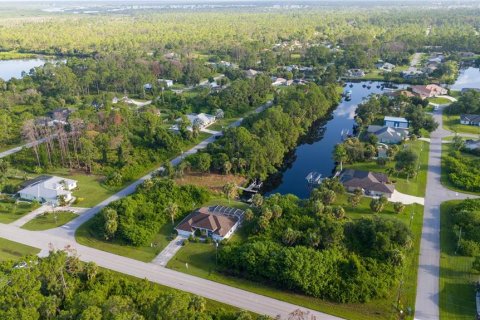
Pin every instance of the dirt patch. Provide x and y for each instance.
(211, 181)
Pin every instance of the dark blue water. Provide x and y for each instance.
(14, 68)
(316, 155)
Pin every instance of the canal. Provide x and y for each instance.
(314, 153)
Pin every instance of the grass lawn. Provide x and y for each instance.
(212, 181)
(87, 237)
(452, 123)
(201, 260)
(444, 175)
(47, 220)
(10, 212)
(415, 186)
(440, 100)
(10, 250)
(457, 289)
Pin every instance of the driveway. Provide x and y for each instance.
(406, 198)
(170, 250)
(45, 208)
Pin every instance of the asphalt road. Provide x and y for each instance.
(427, 299)
(19, 148)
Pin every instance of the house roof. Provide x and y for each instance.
(470, 118)
(48, 187)
(395, 119)
(217, 219)
(389, 132)
(366, 180)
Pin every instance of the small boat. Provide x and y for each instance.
(364, 85)
(369, 87)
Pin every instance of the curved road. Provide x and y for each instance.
(427, 299)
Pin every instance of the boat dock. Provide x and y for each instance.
(253, 187)
(314, 178)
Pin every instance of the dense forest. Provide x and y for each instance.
(62, 287)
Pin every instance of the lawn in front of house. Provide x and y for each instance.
(457, 281)
(199, 259)
(9, 212)
(439, 100)
(10, 250)
(49, 220)
(414, 186)
(452, 123)
(222, 124)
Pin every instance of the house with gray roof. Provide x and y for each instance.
(389, 135)
(470, 119)
(371, 183)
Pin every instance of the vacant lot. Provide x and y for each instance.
(457, 289)
(452, 123)
(10, 212)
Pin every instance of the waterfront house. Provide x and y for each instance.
(202, 120)
(216, 222)
(389, 135)
(395, 122)
(371, 183)
(429, 91)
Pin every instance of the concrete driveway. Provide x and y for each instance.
(406, 198)
(170, 250)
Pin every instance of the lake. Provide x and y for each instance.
(468, 78)
(14, 68)
(314, 153)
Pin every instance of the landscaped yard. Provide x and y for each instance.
(457, 289)
(201, 261)
(10, 250)
(414, 186)
(452, 123)
(49, 220)
(10, 212)
(221, 124)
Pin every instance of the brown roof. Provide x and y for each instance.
(366, 180)
(205, 218)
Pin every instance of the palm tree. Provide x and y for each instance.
(172, 210)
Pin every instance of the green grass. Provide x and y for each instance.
(414, 186)
(12, 55)
(47, 220)
(87, 237)
(9, 212)
(10, 250)
(457, 289)
(446, 147)
(221, 124)
(452, 123)
(439, 100)
(201, 261)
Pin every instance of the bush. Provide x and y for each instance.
(469, 248)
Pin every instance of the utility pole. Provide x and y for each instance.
(459, 239)
(411, 216)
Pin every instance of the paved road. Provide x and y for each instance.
(427, 300)
(19, 148)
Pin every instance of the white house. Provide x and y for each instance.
(202, 120)
(167, 82)
(217, 222)
(48, 189)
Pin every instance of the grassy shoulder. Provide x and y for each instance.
(457, 289)
(414, 186)
(49, 220)
(199, 259)
(9, 212)
(10, 250)
(446, 147)
(452, 123)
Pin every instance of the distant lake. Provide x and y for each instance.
(468, 78)
(14, 68)
(314, 152)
